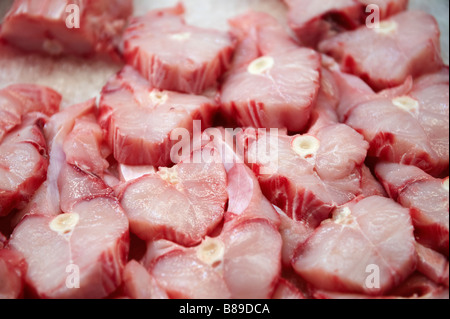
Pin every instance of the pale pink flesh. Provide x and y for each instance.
(414, 49)
(63, 122)
(98, 245)
(422, 140)
(12, 272)
(129, 173)
(246, 200)
(353, 91)
(259, 34)
(23, 164)
(298, 282)
(21, 137)
(387, 7)
(175, 56)
(285, 290)
(294, 233)
(46, 200)
(308, 189)
(341, 151)
(283, 96)
(370, 186)
(429, 203)
(407, 144)
(325, 111)
(76, 186)
(282, 187)
(249, 268)
(420, 287)
(252, 261)
(19, 100)
(158, 248)
(139, 284)
(425, 196)
(433, 265)
(378, 232)
(432, 92)
(228, 143)
(84, 146)
(415, 287)
(396, 177)
(80, 175)
(127, 103)
(184, 211)
(182, 274)
(43, 28)
(313, 21)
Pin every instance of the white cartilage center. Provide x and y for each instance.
(64, 223)
(170, 175)
(343, 216)
(181, 36)
(306, 146)
(261, 65)
(52, 46)
(407, 104)
(387, 27)
(445, 184)
(211, 252)
(158, 97)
